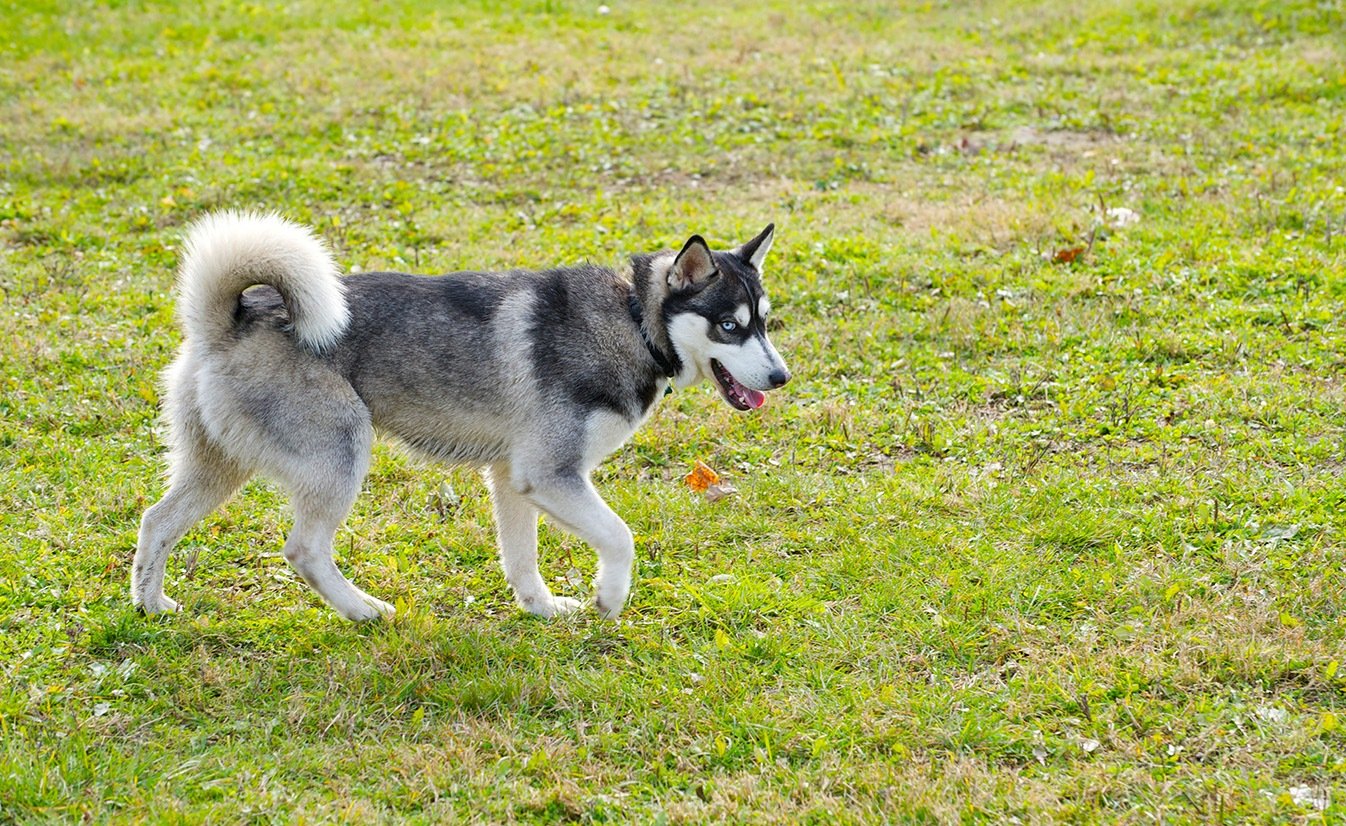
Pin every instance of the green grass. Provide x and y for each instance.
(1023, 539)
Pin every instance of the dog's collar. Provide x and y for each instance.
(667, 367)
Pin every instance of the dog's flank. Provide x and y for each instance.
(288, 370)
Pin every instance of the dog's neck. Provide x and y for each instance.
(666, 366)
(649, 287)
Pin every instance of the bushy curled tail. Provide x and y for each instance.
(227, 252)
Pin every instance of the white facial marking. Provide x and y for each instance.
(690, 334)
(763, 307)
(750, 362)
(769, 354)
(743, 314)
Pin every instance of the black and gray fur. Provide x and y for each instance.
(287, 370)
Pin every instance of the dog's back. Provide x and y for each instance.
(459, 366)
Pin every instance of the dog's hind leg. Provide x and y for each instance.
(197, 489)
(516, 526)
(322, 490)
(308, 549)
(571, 500)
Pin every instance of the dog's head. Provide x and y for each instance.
(715, 313)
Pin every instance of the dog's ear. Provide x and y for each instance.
(755, 250)
(694, 267)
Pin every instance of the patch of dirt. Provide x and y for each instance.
(996, 220)
(1064, 139)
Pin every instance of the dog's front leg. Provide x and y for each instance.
(516, 526)
(571, 500)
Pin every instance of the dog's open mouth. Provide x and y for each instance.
(742, 398)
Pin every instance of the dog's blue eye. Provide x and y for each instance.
(729, 326)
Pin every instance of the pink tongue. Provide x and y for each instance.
(754, 398)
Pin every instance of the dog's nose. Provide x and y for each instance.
(778, 377)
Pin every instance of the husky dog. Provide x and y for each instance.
(287, 370)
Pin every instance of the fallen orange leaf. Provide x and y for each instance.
(1066, 256)
(701, 477)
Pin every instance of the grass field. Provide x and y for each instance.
(1047, 527)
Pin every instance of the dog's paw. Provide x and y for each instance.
(368, 609)
(607, 611)
(158, 605)
(610, 597)
(551, 606)
(565, 605)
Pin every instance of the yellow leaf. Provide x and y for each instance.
(1328, 721)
